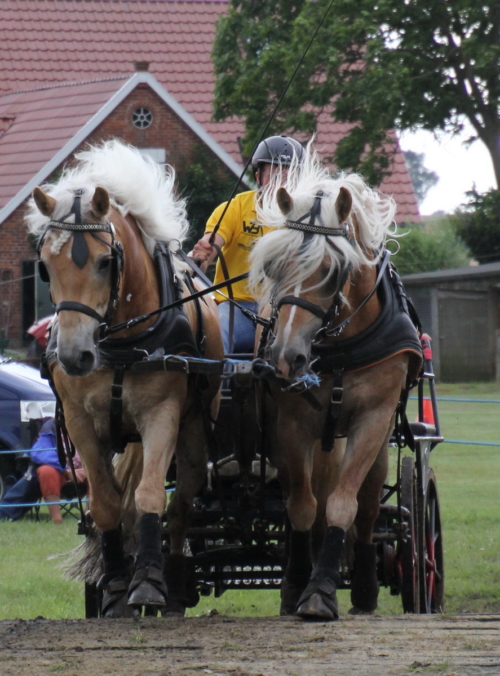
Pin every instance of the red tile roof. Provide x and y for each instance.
(49, 41)
(45, 120)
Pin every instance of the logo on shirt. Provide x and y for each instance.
(254, 229)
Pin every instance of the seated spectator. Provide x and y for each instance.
(46, 477)
(51, 476)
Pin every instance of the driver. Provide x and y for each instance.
(237, 234)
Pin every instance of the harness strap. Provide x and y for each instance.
(74, 306)
(65, 447)
(305, 304)
(333, 412)
(337, 330)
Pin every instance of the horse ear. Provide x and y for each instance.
(285, 201)
(45, 203)
(343, 204)
(100, 202)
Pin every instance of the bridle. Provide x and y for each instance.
(80, 254)
(309, 228)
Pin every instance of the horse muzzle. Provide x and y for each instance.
(76, 350)
(290, 362)
(77, 362)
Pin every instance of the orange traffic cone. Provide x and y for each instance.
(428, 412)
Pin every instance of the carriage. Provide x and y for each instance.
(319, 404)
(238, 536)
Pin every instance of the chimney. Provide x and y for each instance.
(141, 65)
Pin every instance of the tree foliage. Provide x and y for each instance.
(477, 223)
(428, 247)
(204, 185)
(390, 64)
(422, 179)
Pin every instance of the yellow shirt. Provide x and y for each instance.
(240, 232)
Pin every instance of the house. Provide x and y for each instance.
(77, 71)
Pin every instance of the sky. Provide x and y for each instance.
(459, 167)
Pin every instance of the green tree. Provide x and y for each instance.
(384, 65)
(430, 246)
(422, 179)
(477, 223)
(204, 185)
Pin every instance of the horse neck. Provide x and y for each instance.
(359, 285)
(139, 291)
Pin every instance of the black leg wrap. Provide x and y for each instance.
(149, 550)
(113, 556)
(299, 565)
(364, 582)
(298, 570)
(319, 600)
(115, 578)
(181, 585)
(148, 585)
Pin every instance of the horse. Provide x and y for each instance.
(339, 325)
(105, 235)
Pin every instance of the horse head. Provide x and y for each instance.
(328, 232)
(301, 314)
(81, 259)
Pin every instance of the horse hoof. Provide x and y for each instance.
(290, 595)
(120, 609)
(146, 594)
(114, 598)
(319, 601)
(173, 609)
(148, 588)
(360, 611)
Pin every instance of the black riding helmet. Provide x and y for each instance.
(276, 150)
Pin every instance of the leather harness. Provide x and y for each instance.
(395, 329)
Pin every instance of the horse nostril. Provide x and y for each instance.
(86, 360)
(300, 362)
(297, 361)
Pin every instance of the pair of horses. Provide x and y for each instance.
(99, 229)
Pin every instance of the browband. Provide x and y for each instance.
(344, 230)
(97, 227)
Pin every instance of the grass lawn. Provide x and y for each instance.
(468, 479)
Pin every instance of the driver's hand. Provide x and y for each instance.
(202, 250)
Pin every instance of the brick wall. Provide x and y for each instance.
(166, 131)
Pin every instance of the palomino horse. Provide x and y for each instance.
(104, 231)
(337, 310)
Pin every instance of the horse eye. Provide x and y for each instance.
(104, 264)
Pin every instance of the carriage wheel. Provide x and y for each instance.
(408, 550)
(431, 560)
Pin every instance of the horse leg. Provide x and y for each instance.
(319, 599)
(364, 580)
(191, 472)
(159, 428)
(105, 508)
(294, 462)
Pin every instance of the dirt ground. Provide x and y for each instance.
(233, 646)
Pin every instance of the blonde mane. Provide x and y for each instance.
(279, 262)
(137, 185)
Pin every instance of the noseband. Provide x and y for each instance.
(309, 229)
(80, 255)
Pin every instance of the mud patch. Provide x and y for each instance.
(230, 646)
